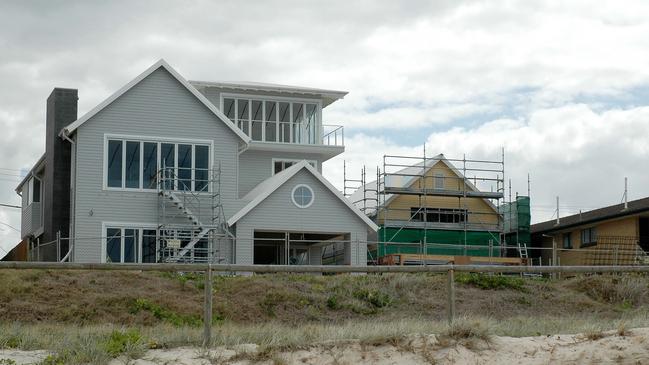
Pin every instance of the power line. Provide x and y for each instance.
(10, 206)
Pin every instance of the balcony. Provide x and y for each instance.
(333, 135)
(328, 141)
(31, 221)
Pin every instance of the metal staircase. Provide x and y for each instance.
(192, 227)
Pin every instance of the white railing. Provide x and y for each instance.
(333, 135)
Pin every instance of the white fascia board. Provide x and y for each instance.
(161, 63)
(280, 179)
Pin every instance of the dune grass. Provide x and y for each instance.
(97, 344)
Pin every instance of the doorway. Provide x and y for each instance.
(291, 248)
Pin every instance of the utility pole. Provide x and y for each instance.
(558, 218)
(626, 192)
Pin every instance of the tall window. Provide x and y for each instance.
(439, 180)
(115, 158)
(567, 241)
(135, 165)
(128, 244)
(274, 121)
(34, 189)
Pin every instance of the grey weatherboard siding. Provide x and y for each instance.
(257, 166)
(158, 106)
(277, 212)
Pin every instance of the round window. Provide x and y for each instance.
(302, 196)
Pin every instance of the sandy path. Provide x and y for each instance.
(632, 348)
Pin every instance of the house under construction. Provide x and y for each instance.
(438, 210)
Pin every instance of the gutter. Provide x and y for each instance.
(593, 220)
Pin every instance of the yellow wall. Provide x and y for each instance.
(622, 227)
(399, 207)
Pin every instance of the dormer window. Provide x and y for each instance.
(274, 119)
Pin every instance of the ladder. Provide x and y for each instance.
(522, 250)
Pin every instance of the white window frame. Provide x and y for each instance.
(293, 196)
(277, 100)
(313, 163)
(139, 227)
(159, 140)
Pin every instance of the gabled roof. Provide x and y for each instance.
(592, 216)
(161, 63)
(268, 186)
(37, 167)
(401, 179)
(328, 96)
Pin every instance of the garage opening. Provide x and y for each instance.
(300, 248)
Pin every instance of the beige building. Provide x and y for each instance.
(613, 235)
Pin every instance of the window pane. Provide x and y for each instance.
(298, 119)
(115, 164)
(113, 245)
(35, 191)
(284, 122)
(130, 245)
(256, 120)
(132, 164)
(278, 166)
(148, 245)
(184, 167)
(167, 159)
(228, 108)
(271, 119)
(150, 165)
(243, 115)
(311, 122)
(202, 165)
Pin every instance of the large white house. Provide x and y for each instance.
(170, 170)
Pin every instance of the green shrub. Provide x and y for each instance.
(491, 282)
(332, 302)
(165, 314)
(120, 342)
(374, 297)
(7, 362)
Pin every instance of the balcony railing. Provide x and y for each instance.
(333, 135)
(286, 132)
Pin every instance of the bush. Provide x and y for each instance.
(120, 342)
(491, 282)
(332, 302)
(374, 297)
(165, 314)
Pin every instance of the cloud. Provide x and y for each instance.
(467, 75)
(571, 151)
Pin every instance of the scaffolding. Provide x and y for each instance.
(427, 217)
(192, 224)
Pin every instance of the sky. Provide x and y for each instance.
(562, 86)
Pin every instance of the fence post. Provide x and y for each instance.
(207, 313)
(58, 246)
(554, 256)
(451, 295)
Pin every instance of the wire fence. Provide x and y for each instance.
(209, 269)
(606, 251)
